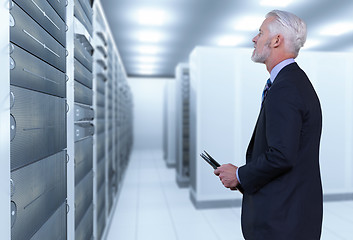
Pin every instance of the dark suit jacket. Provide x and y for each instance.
(281, 179)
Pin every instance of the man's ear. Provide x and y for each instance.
(277, 41)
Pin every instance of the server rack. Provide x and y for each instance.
(109, 74)
(182, 124)
(100, 78)
(56, 102)
(83, 116)
(38, 120)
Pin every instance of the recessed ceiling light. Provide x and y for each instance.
(149, 36)
(249, 23)
(146, 59)
(151, 17)
(146, 66)
(337, 29)
(146, 69)
(148, 49)
(230, 41)
(276, 3)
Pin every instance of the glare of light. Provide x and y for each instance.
(248, 23)
(147, 69)
(310, 43)
(230, 41)
(276, 3)
(149, 36)
(151, 17)
(148, 49)
(337, 29)
(145, 59)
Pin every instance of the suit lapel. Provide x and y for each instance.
(251, 143)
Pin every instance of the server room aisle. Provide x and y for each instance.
(151, 206)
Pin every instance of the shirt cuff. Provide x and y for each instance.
(238, 176)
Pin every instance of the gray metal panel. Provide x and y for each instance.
(39, 189)
(100, 173)
(84, 230)
(83, 130)
(30, 72)
(82, 74)
(82, 94)
(60, 7)
(87, 8)
(111, 182)
(40, 126)
(100, 200)
(102, 50)
(100, 73)
(100, 145)
(100, 85)
(82, 55)
(110, 142)
(100, 125)
(83, 158)
(83, 197)
(26, 33)
(46, 16)
(100, 113)
(100, 99)
(80, 14)
(83, 113)
(101, 223)
(55, 227)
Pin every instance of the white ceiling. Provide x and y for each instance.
(152, 47)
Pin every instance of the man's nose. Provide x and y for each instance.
(254, 40)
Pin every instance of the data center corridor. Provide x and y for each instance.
(152, 206)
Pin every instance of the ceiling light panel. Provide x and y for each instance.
(276, 3)
(150, 36)
(154, 17)
(337, 29)
(144, 59)
(149, 50)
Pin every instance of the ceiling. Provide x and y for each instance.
(153, 36)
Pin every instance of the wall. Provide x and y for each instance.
(148, 95)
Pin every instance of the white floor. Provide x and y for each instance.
(152, 207)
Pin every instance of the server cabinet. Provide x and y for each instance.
(182, 124)
(64, 138)
(83, 116)
(37, 121)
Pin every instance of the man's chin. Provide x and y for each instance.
(256, 58)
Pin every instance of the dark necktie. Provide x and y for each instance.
(267, 87)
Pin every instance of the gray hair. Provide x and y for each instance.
(291, 27)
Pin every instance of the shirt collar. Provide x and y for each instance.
(279, 67)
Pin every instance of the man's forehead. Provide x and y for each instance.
(265, 23)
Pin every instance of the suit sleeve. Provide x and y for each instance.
(283, 123)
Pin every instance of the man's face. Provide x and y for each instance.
(262, 43)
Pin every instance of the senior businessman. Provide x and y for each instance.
(281, 183)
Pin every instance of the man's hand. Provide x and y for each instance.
(227, 174)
